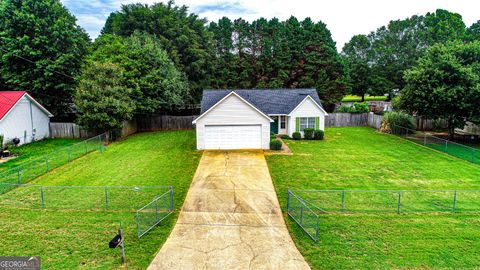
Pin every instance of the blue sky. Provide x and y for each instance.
(344, 18)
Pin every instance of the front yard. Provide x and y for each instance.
(361, 158)
(68, 238)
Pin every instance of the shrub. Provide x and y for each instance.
(296, 135)
(308, 134)
(357, 107)
(318, 134)
(285, 137)
(275, 145)
(393, 121)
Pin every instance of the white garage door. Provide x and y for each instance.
(233, 137)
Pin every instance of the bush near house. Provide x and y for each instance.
(275, 145)
(308, 134)
(297, 135)
(318, 134)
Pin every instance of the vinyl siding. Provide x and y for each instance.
(233, 111)
(19, 120)
(306, 109)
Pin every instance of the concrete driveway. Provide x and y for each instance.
(231, 219)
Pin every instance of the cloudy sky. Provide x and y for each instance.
(344, 18)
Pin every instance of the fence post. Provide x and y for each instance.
(454, 201)
(100, 144)
(18, 176)
(156, 210)
(138, 226)
(446, 146)
(85, 143)
(301, 213)
(106, 198)
(343, 200)
(43, 198)
(473, 155)
(46, 163)
(424, 139)
(398, 206)
(288, 201)
(171, 198)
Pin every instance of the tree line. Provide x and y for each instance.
(158, 57)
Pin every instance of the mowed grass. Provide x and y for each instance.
(361, 158)
(70, 236)
(28, 152)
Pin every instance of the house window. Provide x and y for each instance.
(307, 122)
(282, 122)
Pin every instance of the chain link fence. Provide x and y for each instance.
(37, 167)
(452, 148)
(305, 206)
(302, 214)
(154, 212)
(79, 198)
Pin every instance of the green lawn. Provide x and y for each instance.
(353, 98)
(35, 150)
(361, 158)
(73, 231)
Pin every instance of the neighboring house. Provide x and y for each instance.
(21, 116)
(244, 119)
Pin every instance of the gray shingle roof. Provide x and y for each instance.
(269, 101)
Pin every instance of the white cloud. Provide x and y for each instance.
(344, 18)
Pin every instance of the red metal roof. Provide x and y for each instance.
(8, 99)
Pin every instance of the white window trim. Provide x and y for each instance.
(308, 123)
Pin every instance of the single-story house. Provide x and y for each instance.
(244, 119)
(22, 117)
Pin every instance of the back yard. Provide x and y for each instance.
(361, 158)
(67, 236)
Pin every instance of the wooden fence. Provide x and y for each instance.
(69, 130)
(72, 130)
(346, 119)
(164, 122)
(374, 121)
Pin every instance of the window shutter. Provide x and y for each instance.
(317, 122)
(297, 124)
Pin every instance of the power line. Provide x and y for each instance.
(33, 62)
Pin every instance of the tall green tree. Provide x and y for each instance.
(396, 47)
(44, 32)
(102, 99)
(183, 35)
(156, 83)
(445, 84)
(473, 32)
(274, 54)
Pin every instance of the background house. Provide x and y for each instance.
(21, 116)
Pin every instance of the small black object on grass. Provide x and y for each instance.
(117, 241)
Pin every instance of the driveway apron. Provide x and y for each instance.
(231, 219)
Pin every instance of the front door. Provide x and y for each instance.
(274, 125)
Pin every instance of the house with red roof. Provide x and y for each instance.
(22, 117)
